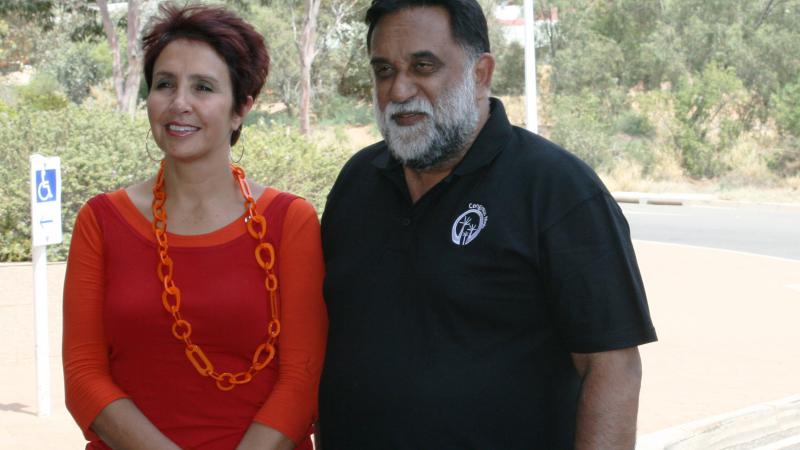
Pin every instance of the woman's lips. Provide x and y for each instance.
(180, 130)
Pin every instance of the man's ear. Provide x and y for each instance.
(484, 69)
(238, 117)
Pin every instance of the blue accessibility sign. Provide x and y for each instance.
(46, 186)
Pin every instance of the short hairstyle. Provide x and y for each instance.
(235, 41)
(467, 21)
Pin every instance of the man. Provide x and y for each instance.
(481, 284)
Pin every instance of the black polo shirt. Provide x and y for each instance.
(452, 320)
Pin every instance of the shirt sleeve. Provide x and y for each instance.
(87, 380)
(292, 405)
(593, 280)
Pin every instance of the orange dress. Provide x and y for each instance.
(117, 335)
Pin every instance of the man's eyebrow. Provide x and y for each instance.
(426, 54)
(422, 54)
(378, 60)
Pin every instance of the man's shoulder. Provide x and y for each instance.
(357, 169)
(366, 156)
(541, 159)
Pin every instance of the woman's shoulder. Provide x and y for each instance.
(140, 194)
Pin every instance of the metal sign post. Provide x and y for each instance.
(45, 179)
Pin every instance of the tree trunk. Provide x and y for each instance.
(126, 86)
(133, 75)
(307, 51)
(111, 35)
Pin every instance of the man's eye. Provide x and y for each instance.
(425, 66)
(383, 71)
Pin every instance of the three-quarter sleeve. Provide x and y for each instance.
(292, 405)
(87, 380)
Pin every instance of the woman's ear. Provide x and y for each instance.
(238, 117)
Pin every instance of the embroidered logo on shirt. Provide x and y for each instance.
(469, 224)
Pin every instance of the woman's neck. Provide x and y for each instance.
(199, 182)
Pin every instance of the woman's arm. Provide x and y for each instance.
(260, 437)
(291, 407)
(122, 426)
(98, 405)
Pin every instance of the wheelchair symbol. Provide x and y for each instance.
(45, 185)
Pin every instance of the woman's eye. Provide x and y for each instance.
(204, 88)
(161, 84)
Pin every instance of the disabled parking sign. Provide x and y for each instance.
(45, 179)
(46, 185)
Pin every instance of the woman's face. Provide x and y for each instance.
(190, 105)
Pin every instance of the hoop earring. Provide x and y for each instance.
(240, 141)
(147, 147)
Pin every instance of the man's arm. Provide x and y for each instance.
(609, 399)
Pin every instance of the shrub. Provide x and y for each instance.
(43, 93)
(635, 124)
(339, 110)
(787, 111)
(80, 66)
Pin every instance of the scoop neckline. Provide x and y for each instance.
(143, 226)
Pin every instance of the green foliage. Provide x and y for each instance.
(509, 73)
(103, 150)
(635, 124)
(340, 110)
(43, 93)
(581, 126)
(705, 107)
(595, 64)
(33, 31)
(286, 160)
(787, 109)
(79, 66)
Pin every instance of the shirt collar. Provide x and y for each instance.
(490, 142)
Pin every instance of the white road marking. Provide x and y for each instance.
(639, 213)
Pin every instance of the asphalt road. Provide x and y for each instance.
(764, 230)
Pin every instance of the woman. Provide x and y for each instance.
(210, 334)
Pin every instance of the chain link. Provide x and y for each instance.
(171, 294)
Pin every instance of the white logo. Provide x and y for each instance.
(469, 224)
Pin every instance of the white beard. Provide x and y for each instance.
(441, 135)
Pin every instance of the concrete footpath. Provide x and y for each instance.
(727, 324)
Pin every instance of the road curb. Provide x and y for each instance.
(665, 198)
(680, 199)
(766, 426)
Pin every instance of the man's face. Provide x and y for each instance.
(424, 94)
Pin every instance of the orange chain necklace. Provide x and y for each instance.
(171, 295)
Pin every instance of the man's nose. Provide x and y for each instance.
(403, 88)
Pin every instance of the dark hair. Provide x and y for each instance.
(467, 21)
(236, 41)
